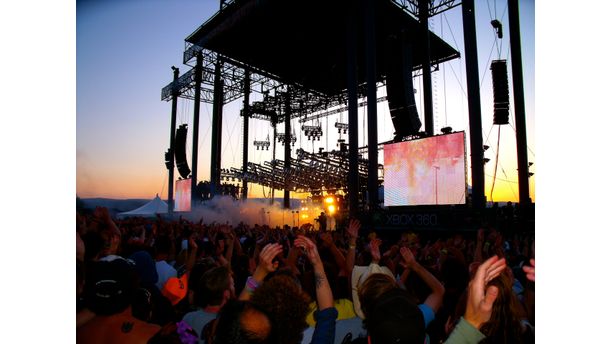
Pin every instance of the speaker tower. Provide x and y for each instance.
(400, 91)
(179, 151)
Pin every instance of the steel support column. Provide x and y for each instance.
(273, 122)
(519, 103)
(426, 63)
(351, 74)
(473, 90)
(196, 125)
(245, 134)
(370, 54)
(286, 203)
(175, 94)
(217, 121)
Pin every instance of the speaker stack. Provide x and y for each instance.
(400, 91)
(179, 151)
(501, 101)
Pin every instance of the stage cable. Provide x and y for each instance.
(444, 77)
(496, 162)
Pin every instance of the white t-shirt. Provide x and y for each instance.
(164, 272)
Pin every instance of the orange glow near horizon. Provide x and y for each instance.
(146, 187)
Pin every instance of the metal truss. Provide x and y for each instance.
(341, 109)
(310, 172)
(232, 73)
(435, 6)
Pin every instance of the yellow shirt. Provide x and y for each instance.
(343, 306)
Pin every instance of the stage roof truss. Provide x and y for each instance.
(306, 173)
(435, 6)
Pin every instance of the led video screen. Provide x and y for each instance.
(182, 195)
(428, 171)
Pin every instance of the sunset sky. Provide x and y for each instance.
(102, 73)
(124, 53)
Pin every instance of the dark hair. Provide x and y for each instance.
(94, 245)
(505, 325)
(287, 305)
(110, 286)
(371, 289)
(241, 322)
(212, 286)
(198, 271)
(395, 318)
(162, 244)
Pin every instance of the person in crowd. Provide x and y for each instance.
(479, 306)
(506, 324)
(375, 307)
(165, 270)
(109, 289)
(155, 308)
(214, 289)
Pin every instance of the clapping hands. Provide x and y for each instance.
(480, 296)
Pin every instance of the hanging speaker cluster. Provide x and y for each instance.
(179, 151)
(501, 102)
(169, 159)
(400, 91)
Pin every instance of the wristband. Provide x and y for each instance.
(251, 283)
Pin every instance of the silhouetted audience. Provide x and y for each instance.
(160, 281)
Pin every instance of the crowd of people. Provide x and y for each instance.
(175, 281)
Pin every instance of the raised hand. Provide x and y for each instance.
(309, 248)
(409, 259)
(375, 249)
(325, 299)
(192, 243)
(353, 228)
(266, 258)
(480, 297)
(530, 270)
(327, 239)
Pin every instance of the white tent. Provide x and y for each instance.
(155, 206)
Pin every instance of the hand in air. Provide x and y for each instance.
(309, 248)
(353, 228)
(480, 297)
(266, 257)
(409, 259)
(530, 270)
